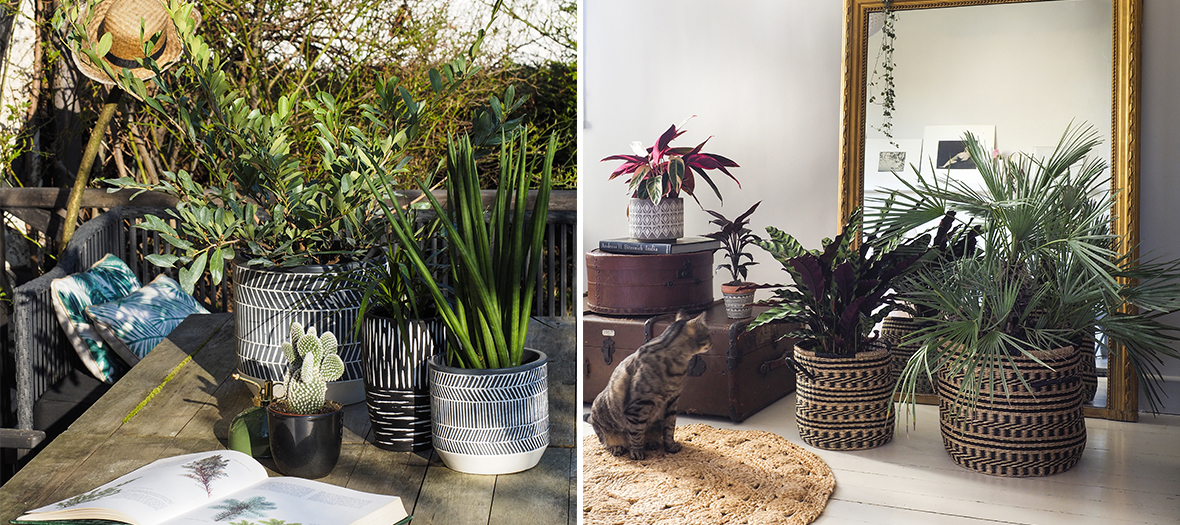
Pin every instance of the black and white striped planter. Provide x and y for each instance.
(397, 388)
(266, 301)
(490, 421)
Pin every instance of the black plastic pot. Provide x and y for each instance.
(307, 446)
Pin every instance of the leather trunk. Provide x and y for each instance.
(649, 284)
(743, 372)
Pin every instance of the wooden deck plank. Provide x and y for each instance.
(450, 497)
(193, 387)
(539, 495)
(398, 473)
(108, 412)
(31, 488)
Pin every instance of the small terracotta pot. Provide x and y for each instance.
(739, 302)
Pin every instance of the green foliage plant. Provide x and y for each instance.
(311, 362)
(735, 236)
(494, 260)
(840, 292)
(1047, 271)
(264, 204)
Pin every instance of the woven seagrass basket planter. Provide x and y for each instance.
(1087, 368)
(894, 330)
(843, 403)
(1036, 431)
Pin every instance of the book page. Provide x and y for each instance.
(160, 490)
(289, 501)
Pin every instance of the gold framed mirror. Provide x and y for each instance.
(1125, 25)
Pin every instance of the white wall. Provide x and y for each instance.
(763, 76)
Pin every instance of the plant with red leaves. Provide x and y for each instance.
(662, 171)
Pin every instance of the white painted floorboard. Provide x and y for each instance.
(1129, 473)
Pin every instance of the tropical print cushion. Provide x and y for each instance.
(135, 324)
(108, 280)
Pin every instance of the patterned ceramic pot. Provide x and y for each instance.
(739, 303)
(490, 421)
(397, 388)
(1018, 432)
(844, 403)
(649, 222)
(266, 301)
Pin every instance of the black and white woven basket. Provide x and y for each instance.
(894, 331)
(1022, 432)
(843, 403)
(490, 421)
(397, 388)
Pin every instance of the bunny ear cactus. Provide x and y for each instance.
(312, 362)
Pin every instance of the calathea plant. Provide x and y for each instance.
(662, 171)
(841, 292)
(311, 362)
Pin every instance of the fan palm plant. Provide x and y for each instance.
(1048, 273)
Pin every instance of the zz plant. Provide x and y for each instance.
(311, 362)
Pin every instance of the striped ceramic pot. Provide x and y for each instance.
(397, 388)
(1018, 432)
(844, 403)
(267, 300)
(490, 421)
(650, 222)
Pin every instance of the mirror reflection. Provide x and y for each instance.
(1014, 75)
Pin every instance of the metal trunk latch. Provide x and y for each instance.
(608, 350)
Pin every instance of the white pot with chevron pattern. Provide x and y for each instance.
(651, 222)
(490, 421)
(267, 300)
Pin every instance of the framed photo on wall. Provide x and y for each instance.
(945, 151)
(883, 159)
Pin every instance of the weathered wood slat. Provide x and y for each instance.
(449, 497)
(537, 495)
(17, 438)
(397, 473)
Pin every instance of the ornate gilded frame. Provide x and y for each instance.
(1123, 389)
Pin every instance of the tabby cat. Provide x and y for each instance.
(637, 409)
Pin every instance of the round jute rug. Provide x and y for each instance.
(721, 476)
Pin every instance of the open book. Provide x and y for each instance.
(219, 487)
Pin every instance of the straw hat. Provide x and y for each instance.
(122, 19)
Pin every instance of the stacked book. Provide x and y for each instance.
(633, 246)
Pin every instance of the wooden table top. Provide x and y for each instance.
(192, 413)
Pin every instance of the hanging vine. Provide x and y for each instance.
(881, 86)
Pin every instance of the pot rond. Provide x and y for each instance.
(490, 421)
(267, 300)
(397, 388)
(650, 222)
(306, 446)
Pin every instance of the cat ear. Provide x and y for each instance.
(700, 319)
(681, 315)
